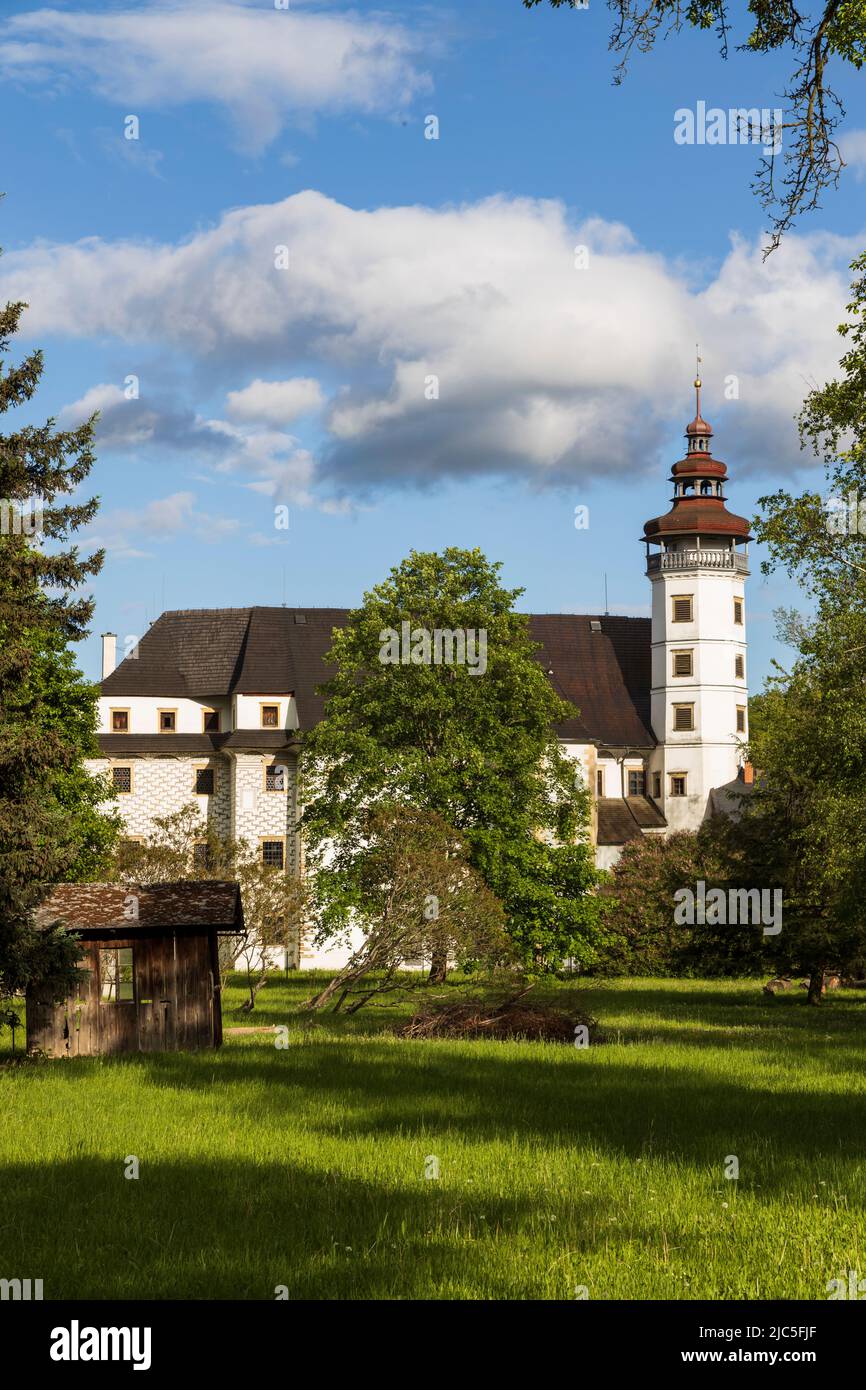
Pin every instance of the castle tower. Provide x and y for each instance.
(699, 692)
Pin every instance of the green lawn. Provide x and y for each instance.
(558, 1167)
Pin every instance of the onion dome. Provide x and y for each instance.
(698, 505)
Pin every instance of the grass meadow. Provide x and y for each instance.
(559, 1167)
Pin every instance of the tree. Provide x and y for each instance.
(184, 846)
(50, 825)
(409, 886)
(473, 741)
(835, 34)
(648, 935)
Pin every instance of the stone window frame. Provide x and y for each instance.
(166, 709)
(739, 610)
(270, 840)
(121, 763)
(269, 763)
(739, 666)
(206, 710)
(678, 777)
(680, 598)
(599, 782)
(269, 704)
(741, 719)
(682, 651)
(203, 767)
(119, 709)
(687, 705)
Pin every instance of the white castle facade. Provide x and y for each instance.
(212, 705)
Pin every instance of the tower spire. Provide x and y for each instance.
(698, 380)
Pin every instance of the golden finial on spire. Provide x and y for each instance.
(698, 376)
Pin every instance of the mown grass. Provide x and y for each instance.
(558, 1167)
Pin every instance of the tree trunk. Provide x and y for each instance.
(816, 987)
(438, 966)
(254, 986)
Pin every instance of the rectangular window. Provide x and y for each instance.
(276, 778)
(167, 721)
(684, 718)
(741, 719)
(682, 608)
(204, 781)
(201, 855)
(121, 778)
(637, 783)
(273, 852)
(270, 716)
(738, 611)
(120, 721)
(210, 721)
(740, 667)
(116, 983)
(599, 782)
(683, 664)
(678, 784)
(657, 785)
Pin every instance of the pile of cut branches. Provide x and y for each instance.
(509, 1018)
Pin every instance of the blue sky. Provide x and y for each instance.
(409, 258)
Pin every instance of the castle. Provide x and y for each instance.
(213, 704)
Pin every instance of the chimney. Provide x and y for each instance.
(109, 653)
(748, 773)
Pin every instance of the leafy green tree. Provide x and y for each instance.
(477, 747)
(413, 893)
(50, 825)
(834, 35)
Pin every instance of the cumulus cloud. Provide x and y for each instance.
(852, 144)
(496, 337)
(260, 64)
(275, 402)
(123, 530)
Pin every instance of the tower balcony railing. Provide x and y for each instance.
(698, 559)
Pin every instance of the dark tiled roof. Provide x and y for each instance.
(606, 674)
(204, 745)
(89, 906)
(206, 653)
(620, 821)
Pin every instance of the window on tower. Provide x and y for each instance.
(738, 611)
(741, 719)
(740, 667)
(678, 783)
(682, 608)
(684, 718)
(683, 663)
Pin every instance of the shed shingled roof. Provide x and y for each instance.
(207, 653)
(90, 906)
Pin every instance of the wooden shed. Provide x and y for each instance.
(152, 963)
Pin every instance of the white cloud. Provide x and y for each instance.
(162, 519)
(275, 402)
(542, 369)
(261, 64)
(852, 145)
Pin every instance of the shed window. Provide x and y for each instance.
(121, 778)
(116, 982)
(273, 853)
